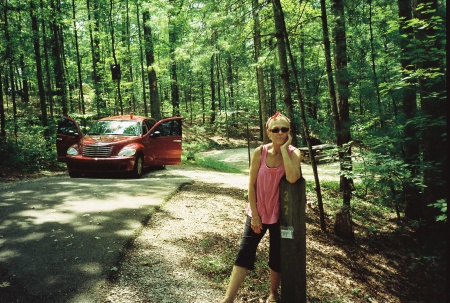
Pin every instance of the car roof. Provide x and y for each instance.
(126, 117)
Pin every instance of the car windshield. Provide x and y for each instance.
(116, 127)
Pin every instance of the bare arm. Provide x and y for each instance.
(291, 162)
(254, 168)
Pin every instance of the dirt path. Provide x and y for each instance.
(159, 267)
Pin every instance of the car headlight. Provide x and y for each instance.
(71, 151)
(127, 152)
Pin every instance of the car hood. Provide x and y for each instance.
(104, 139)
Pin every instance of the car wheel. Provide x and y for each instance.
(138, 167)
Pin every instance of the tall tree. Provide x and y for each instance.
(212, 86)
(409, 109)
(116, 66)
(81, 105)
(155, 108)
(259, 69)
(433, 103)
(173, 30)
(57, 55)
(280, 31)
(39, 73)
(141, 56)
(343, 94)
(94, 33)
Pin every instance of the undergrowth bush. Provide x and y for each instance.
(25, 148)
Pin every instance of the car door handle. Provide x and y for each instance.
(177, 141)
(58, 139)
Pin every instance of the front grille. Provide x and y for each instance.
(100, 151)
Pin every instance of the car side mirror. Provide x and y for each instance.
(155, 134)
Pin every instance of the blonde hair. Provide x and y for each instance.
(277, 116)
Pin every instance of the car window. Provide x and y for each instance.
(144, 128)
(67, 127)
(170, 128)
(150, 123)
(116, 127)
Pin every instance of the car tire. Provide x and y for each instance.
(138, 167)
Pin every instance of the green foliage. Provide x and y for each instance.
(28, 150)
(442, 206)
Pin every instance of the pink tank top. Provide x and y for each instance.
(267, 189)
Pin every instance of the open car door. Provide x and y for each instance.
(68, 134)
(166, 141)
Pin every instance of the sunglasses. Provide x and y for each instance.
(276, 130)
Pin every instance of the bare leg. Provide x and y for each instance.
(237, 277)
(275, 279)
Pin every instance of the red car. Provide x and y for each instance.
(119, 144)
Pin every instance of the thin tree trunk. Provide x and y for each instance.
(411, 151)
(95, 52)
(113, 47)
(155, 105)
(48, 83)
(433, 102)
(374, 69)
(284, 69)
(39, 75)
(141, 54)
(175, 93)
(305, 127)
(202, 92)
(259, 71)
(10, 65)
(81, 107)
(128, 62)
(60, 78)
(342, 81)
(213, 90)
(2, 111)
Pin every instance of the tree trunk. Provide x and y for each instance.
(175, 93)
(113, 48)
(39, 75)
(433, 102)
(343, 226)
(374, 69)
(95, 52)
(329, 71)
(284, 69)
(259, 71)
(411, 150)
(81, 107)
(213, 90)
(2, 112)
(60, 79)
(155, 105)
(48, 83)
(141, 54)
(343, 93)
(305, 124)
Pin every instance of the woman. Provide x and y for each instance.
(269, 164)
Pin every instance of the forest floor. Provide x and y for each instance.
(185, 252)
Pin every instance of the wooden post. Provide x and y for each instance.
(293, 241)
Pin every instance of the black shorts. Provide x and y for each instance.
(249, 244)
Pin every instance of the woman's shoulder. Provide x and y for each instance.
(258, 150)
